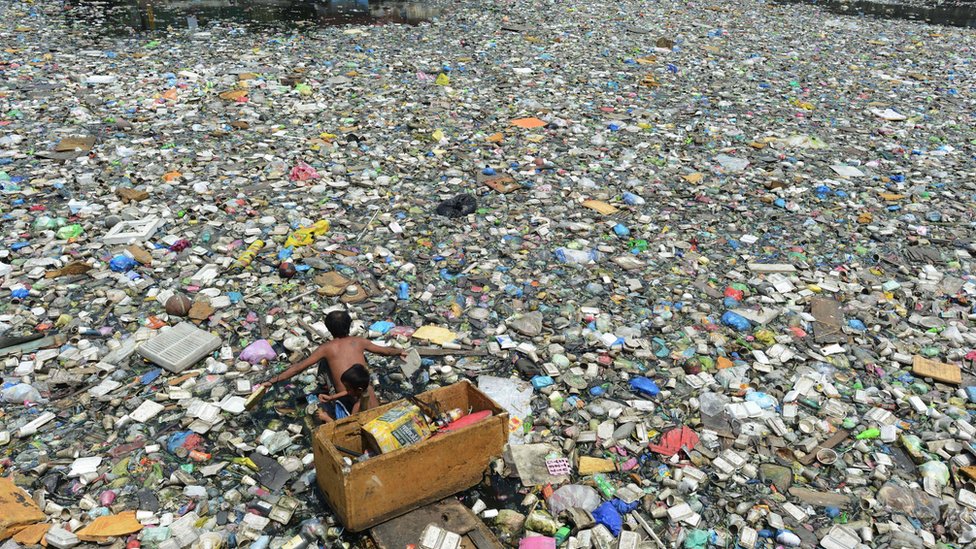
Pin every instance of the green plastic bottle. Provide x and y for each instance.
(562, 535)
(868, 434)
(604, 485)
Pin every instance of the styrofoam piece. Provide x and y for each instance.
(85, 465)
(146, 411)
(179, 347)
(127, 232)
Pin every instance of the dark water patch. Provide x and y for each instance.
(956, 14)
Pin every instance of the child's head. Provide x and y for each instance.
(338, 323)
(356, 379)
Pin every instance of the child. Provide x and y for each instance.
(350, 401)
(340, 354)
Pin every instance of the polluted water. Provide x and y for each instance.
(710, 259)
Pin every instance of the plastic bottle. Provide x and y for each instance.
(604, 485)
(576, 257)
(632, 199)
(314, 529)
(261, 543)
(248, 256)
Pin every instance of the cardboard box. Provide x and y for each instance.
(389, 485)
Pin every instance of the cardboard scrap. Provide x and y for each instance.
(434, 334)
(110, 526)
(17, 509)
(233, 95)
(33, 534)
(939, 371)
(600, 206)
(75, 144)
(332, 283)
(693, 178)
(530, 464)
(201, 310)
(131, 195)
(73, 268)
(502, 183)
(591, 466)
(531, 122)
(139, 254)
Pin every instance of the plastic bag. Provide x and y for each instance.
(458, 206)
(644, 386)
(21, 393)
(736, 321)
(122, 263)
(573, 495)
(622, 507)
(608, 516)
(258, 351)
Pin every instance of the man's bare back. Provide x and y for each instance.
(342, 353)
(345, 352)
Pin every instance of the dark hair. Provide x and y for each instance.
(338, 323)
(356, 377)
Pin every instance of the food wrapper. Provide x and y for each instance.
(401, 426)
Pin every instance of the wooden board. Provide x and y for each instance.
(829, 324)
(939, 371)
(448, 514)
(838, 437)
(389, 485)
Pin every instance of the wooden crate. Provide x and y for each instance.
(389, 485)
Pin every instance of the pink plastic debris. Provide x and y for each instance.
(303, 172)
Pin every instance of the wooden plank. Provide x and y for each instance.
(829, 324)
(448, 514)
(838, 437)
(939, 371)
(437, 351)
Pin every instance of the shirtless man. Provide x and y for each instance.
(342, 353)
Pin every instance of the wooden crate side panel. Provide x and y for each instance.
(328, 474)
(388, 486)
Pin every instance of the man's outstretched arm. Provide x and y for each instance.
(296, 368)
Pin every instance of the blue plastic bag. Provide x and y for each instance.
(644, 386)
(608, 516)
(736, 321)
(122, 263)
(624, 508)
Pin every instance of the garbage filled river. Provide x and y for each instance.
(710, 261)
